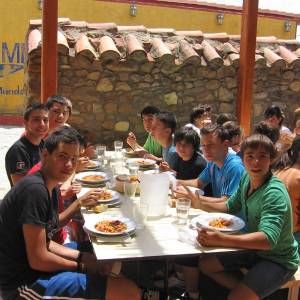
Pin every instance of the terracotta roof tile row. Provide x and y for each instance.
(111, 43)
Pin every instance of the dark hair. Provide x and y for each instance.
(233, 128)
(296, 116)
(189, 135)
(60, 100)
(256, 141)
(290, 157)
(32, 107)
(168, 119)
(150, 110)
(274, 110)
(220, 131)
(198, 111)
(63, 134)
(273, 133)
(225, 117)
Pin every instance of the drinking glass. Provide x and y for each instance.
(101, 149)
(118, 148)
(140, 212)
(130, 188)
(182, 210)
(133, 168)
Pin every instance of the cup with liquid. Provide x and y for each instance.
(182, 210)
(118, 145)
(101, 149)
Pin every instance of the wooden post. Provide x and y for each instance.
(49, 50)
(247, 63)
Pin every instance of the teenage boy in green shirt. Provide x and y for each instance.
(151, 145)
(273, 257)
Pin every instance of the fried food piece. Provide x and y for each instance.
(220, 223)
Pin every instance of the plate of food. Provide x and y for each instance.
(218, 221)
(92, 165)
(91, 177)
(130, 153)
(141, 162)
(110, 225)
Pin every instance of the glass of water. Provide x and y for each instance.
(182, 210)
(101, 149)
(118, 148)
(133, 168)
(140, 213)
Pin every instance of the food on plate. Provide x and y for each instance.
(143, 162)
(220, 223)
(99, 208)
(92, 178)
(91, 165)
(133, 178)
(111, 226)
(105, 195)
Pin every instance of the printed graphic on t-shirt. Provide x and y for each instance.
(20, 165)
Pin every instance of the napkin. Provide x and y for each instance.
(188, 236)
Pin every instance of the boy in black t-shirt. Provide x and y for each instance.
(26, 152)
(32, 266)
(188, 163)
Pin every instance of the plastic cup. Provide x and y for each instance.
(182, 210)
(140, 213)
(133, 169)
(130, 188)
(101, 149)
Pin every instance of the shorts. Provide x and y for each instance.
(263, 276)
(65, 284)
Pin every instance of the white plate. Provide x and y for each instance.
(205, 218)
(79, 176)
(95, 166)
(115, 196)
(90, 225)
(142, 162)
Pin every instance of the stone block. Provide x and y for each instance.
(125, 108)
(226, 108)
(104, 85)
(124, 76)
(213, 84)
(97, 108)
(288, 75)
(93, 76)
(110, 108)
(122, 126)
(81, 73)
(231, 82)
(122, 86)
(136, 78)
(147, 67)
(295, 86)
(224, 95)
(171, 98)
(108, 124)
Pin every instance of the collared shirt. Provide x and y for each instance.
(224, 180)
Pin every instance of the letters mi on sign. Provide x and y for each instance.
(12, 59)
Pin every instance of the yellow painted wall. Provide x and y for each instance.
(16, 15)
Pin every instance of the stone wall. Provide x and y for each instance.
(107, 99)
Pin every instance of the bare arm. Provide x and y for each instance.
(204, 199)
(89, 198)
(255, 240)
(57, 257)
(39, 257)
(191, 182)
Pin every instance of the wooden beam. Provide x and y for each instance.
(49, 50)
(247, 63)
